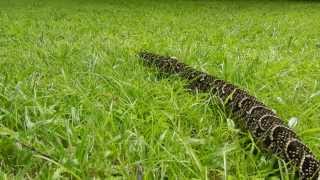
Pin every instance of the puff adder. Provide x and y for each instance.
(264, 125)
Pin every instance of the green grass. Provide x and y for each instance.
(72, 88)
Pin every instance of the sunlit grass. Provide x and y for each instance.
(76, 102)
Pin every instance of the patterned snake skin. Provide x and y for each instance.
(265, 126)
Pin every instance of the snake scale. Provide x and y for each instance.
(265, 126)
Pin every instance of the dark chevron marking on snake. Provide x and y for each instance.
(266, 127)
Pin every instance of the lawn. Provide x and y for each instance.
(76, 102)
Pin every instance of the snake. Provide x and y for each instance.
(266, 127)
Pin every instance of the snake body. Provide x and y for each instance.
(265, 126)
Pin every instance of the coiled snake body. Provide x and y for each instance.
(264, 125)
